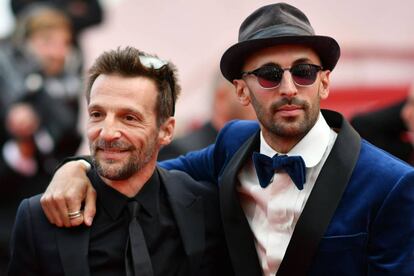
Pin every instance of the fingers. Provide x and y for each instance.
(57, 205)
(76, 217)
(51, 203)
(65, 194)
(72, 204)
(48, 209)
(90, 206)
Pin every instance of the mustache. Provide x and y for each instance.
(289, 101)
(112, 145)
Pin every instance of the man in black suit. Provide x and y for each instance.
(131, 97)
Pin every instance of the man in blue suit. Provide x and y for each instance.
(300, 192)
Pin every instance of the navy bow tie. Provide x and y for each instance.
(266, 166)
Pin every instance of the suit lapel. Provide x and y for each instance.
(188, 212)
(73, 246)
(240, 239)
(324, 198)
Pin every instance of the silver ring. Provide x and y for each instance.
(76, 214)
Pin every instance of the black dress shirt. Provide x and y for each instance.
(109, 231)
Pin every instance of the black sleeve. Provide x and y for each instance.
(22, 255)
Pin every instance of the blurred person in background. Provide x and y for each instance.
(82, 13)
(225, 107)
(39, 91)
(389, 128)
(407, 114)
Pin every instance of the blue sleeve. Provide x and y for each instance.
(392, 237)
(198, 164)
(208, 164)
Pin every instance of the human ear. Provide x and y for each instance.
(166, 132)
(324, 87)
(242, 91)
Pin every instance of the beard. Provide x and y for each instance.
(125, 168)
(292, 128)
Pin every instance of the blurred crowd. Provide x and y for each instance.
(40, 88)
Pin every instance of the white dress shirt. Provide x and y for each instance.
(272, 212)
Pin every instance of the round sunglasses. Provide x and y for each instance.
(270, 76)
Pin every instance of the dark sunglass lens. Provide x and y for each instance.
(304, 74)
(269, 76)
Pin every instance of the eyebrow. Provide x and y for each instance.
(94, 106)
(298, 61)
(122, 109)
(130, 110)
(303, 60)
(270, 63)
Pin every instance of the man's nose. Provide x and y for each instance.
(109, 130)
(287, 86)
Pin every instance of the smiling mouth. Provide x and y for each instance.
(111, 153)
(112, 150)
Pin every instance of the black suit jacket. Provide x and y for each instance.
(39, 248)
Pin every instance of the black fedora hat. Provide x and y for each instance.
(273, 25)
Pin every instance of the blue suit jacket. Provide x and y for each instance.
(372, 229)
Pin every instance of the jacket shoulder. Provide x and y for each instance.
(30, 208)
(374, 159)
(238, 131)
(233, 135)
(185, 183)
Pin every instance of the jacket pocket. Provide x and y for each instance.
(343, 242)
(344, 255)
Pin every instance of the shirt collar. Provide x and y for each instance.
(149, 195)
(311, 147)
(114, 202)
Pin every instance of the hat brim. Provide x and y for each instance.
(233, 59)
